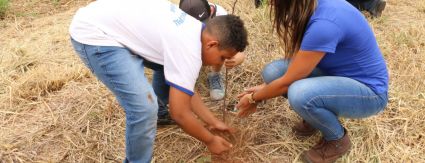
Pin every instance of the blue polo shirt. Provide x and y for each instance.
(343, 33)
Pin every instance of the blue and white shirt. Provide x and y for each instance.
(156, 30)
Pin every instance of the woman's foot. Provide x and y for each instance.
(328, 151)
(303, 129)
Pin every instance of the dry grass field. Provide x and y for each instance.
(52, 109)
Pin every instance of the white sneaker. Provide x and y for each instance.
(216, 86)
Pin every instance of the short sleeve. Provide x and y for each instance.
(321, 35)
(182, 55)
(181, 68)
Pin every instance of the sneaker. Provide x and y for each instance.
(328, 151)
(216, 86)
(379, 7)
(165, 120)
(164, 117)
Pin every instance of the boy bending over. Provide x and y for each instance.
(117, 39)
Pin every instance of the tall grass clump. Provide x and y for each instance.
(4, 4)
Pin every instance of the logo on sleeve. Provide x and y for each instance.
(200, 15)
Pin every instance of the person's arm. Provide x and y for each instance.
(300, 67)
(235, 60)
(202, 111)
(181, 112)
(302, 64)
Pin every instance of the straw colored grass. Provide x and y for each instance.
(52, 109)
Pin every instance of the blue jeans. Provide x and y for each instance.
(160, 87)
(123, 74)
(321, 99)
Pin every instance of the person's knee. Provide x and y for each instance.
(268, 73)
(299, 95)
(151, 105)
(143, 107)
(273, 71)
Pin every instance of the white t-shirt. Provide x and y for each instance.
(219, 10)
(157, 30)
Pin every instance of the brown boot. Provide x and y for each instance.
(328, 151)
(303, 129)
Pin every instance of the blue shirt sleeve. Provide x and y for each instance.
(321, 35)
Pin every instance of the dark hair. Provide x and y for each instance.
(230, 32)
(290, 18)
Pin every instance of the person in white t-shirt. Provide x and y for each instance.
(204, 11)
(116, 39)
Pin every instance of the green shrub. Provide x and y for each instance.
(4, 4)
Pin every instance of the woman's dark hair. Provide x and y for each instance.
(290, 19)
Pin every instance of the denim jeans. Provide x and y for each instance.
(123, 74)
(321, 99)
(160, 87)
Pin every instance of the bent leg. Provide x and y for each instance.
(278, 68)
(123, 74)
(321, 100)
